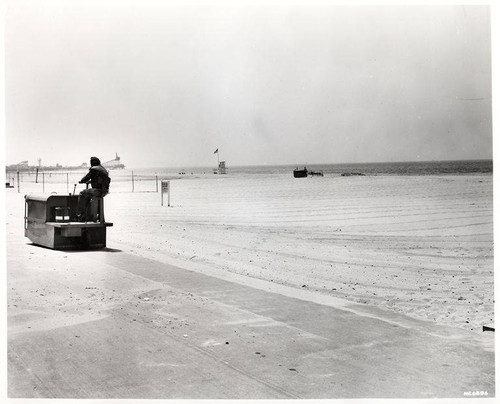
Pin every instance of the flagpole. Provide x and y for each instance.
(218, 162)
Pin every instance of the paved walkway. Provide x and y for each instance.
(111, 324)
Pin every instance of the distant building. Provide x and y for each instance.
(222, 167)
(21, 166)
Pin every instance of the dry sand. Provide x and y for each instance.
(405, 249)
(421, 246)
(417, 245)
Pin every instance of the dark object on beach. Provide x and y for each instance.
(51, 221)
(298, 173)
(487, 328)
(317, 173)
(349, 174)
(7, 185)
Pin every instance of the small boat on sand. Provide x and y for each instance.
(298, 173)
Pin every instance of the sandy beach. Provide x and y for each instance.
(421, 246)
(412, 252)
(417, 245)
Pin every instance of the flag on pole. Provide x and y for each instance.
(216, 151)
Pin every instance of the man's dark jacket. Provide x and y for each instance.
(98, 177)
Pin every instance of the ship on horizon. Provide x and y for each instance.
(114, 164)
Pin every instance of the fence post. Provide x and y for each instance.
(18, 183)
(43, 182)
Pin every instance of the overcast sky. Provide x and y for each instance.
(165, 84)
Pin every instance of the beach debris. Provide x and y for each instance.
(185, 335)
(350, 174)
(292, 369)
(316, 173)
(488, 328)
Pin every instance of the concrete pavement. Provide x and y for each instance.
(113, 324)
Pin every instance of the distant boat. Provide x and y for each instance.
(113, 164)
(298, 173)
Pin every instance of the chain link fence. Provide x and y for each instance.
(66, 182)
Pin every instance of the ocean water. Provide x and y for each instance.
(398, 168)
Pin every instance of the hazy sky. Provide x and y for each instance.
(165, 84)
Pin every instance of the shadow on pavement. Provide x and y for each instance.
(77, 250)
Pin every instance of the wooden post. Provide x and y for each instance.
(18, 183)
(36, 176)
(43, 182)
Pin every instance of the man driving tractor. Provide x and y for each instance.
(99, 180)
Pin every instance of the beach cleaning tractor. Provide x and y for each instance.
(51, 221)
